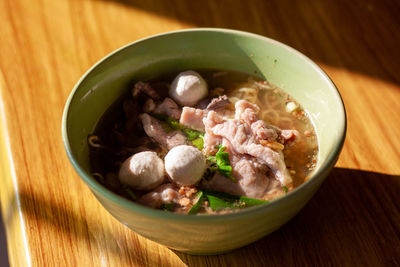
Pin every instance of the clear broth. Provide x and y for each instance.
(120, 143)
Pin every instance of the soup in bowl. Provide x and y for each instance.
(204, 140)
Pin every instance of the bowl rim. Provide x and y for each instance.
(143, 210)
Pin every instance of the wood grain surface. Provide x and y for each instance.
(51, 217)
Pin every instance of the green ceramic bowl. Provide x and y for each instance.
(211, 49)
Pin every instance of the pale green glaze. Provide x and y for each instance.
(199, 49)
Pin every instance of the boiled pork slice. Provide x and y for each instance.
(245, 139)
(142, 88)
(170, 108)
(164, 194)
(155, 130)
(251, 174)
(193, 118)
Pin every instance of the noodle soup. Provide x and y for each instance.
(232, 142)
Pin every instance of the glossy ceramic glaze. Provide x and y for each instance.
(211, 49)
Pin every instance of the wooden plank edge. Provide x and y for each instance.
(17, 243)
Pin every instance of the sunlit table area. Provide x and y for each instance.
(50, 216)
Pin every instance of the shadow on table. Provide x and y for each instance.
(60, 222)
(352, 220)
(348, 35)
(3, 245)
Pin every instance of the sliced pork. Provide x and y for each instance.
(164, 194)
(218, 103)
(251, 174)
(155, 130)
(245, 139)
(142, 88)
(170, 108)
(193, 118)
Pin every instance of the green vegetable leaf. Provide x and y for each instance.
(223, 165)
(170, 124)
(217, 204)
(285, 189)
(249, 202)
(222, 157)
(193, 134)
(130, 192)
(225, 168)
(198, 142)
(212, 158)
(196, 137)
(220, 200)
(174, 124)
(197, 206)
(168, 206)
(166, 127)
(226, 171)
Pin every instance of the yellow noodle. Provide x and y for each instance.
(270, 116)
(285, 123)
(93, 141)
(98, 177)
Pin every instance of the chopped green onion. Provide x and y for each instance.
(197, 206)
(285, 189)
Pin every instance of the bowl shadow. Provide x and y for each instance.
(353, 220)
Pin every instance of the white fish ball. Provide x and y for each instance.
(185, 165)
(188, 88)
(143, 171)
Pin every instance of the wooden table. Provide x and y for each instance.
(52, 219)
